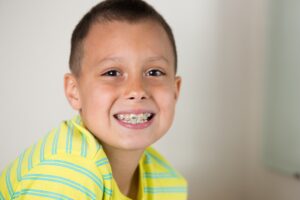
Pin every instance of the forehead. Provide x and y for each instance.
(144, 38)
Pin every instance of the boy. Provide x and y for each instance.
(123, 83)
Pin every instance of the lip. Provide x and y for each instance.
(136, 112)
(135, 126)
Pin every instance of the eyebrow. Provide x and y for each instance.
(110, 59)
(157, 58)
(150, 59)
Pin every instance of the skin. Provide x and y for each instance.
(126, 67)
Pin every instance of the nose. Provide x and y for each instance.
(136, 89)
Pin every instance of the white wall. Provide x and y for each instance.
(261, 183)
(218, 121)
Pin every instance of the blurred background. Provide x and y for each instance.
(216, 139)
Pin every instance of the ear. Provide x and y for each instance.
(177, 86)
(72, 91)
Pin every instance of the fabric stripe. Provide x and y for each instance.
(159, 161)
(42, 149)
(107, 176)
(155, 190)
(30, 157)
(61, 180)
(19, 169)
(8, 182)
(1, 196)
(101, 162)
(78, 169)
(147, 159)
(152, 175)
(69, 138)
(83, 145)
(42, 193)
(55, 141)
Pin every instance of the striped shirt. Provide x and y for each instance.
(69, 163)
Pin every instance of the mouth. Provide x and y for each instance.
(135, 120)
(132, 118)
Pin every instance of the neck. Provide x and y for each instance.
(125, 170)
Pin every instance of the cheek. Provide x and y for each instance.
(165, 98)
(98, 99)
(166, 103)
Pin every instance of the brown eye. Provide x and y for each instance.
(155, 72)
(112, 73)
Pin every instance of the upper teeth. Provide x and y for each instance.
(134, 118)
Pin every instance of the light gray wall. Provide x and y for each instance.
(261, 182)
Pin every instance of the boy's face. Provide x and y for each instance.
(127, 88)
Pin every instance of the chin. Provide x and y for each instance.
(135, 145)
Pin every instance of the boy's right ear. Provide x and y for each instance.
(72, 91)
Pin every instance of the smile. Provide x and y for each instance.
(131, 118)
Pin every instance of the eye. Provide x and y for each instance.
(112, 73)
(155, 72)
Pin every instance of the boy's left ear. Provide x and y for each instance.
(177, 86)
(72, 91)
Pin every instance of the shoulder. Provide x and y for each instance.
(153, 154)
(69, 141)
(154, 161)
(71, 138)
(160, 177)
(62, 163)
(58, 176)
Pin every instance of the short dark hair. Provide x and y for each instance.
(114, 10)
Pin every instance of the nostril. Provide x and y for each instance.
(136, 98)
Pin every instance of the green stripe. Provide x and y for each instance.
(83, 145)
(69, 138)
(42, 149)
(107, 176)
(30, 157)
(1, 196)
(42, 193)
(101, 162)
(55, 141)
(78, 169)
(77, 121)
(8, 182)
(147, 159)
(161, 162)
(159, 175)
(61, 180)
(155, 190)
(19, 169)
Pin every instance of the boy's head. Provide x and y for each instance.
(131, 11)
(123, 80)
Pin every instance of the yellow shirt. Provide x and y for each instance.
(69, 163)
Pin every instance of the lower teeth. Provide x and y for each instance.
(137, 121)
